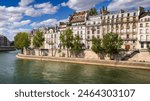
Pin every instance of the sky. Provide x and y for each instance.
(25, 15)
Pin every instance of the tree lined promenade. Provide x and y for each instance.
(109, 46)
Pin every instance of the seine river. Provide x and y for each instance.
(15, 71)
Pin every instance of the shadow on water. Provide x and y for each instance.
(18, 71)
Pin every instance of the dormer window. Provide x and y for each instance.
(134, 14)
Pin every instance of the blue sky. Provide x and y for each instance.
(24, 15)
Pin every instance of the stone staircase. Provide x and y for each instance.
(130, 54)
(90, 55)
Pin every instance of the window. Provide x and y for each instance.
(147, 31)
(98, 36)
(147, 24)
(88, 32)
(141, 38)
(141, 20)
(127, 19)
(81, 32)
(128, 14)
(142, 45)
(87, 28)
(147, 45)
(141, 31)
(147, 37)
(98, 32)
(97, 27)
(127, 35)
(88, 37)
(141, 25)
(134, 14)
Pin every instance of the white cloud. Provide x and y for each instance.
(128, 4)
(11, 18)
(25, 2)
(21, 23)
(80, 5)
(40, 9)
(45, 23)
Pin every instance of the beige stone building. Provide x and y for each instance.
(144, 31)
(93, 29)
(78, 25)
(123, 23)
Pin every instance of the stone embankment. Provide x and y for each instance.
(127, 64)
(7, 48)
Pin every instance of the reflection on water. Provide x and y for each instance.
(13, 70)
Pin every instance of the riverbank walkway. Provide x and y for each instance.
(127, 64)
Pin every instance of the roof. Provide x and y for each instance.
(144, 14)
(78, 17)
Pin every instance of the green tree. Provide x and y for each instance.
(97, 47)
(38, 39)
(92, 12)
(77, 46)
(66, 39)
(21, 41)
(112, 44)
(149, 49)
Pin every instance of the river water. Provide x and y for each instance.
(16, 71)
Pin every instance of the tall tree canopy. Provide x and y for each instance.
(21, 40)
(38, 39)
(77, 46)
(92, 12)
(97, 47)
(66, 39)
(112, 43)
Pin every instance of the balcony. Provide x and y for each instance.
(144, 40)
(129, 39)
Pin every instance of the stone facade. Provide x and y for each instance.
(132, 26)
(144, 31)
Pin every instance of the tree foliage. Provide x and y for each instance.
(97, 46)
(112, 43)
(92, 12)
(149, 49)
(66, 39)
(38, 39)
(21, 40)
(77, 46)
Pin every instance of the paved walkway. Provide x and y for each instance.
(127, 64)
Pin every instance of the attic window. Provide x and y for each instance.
(134, 14)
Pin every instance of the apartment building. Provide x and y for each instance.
(131, 26)
(78, 24)
(93, 29)
(124, 23)
(144, 30)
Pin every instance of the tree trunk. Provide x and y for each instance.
(67, 52)
(21, 51)
(52, 50)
